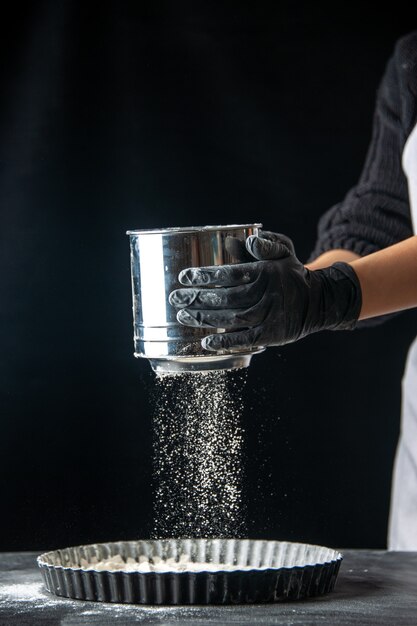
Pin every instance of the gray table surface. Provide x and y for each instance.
(373, 587)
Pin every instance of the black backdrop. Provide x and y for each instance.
(118, 115)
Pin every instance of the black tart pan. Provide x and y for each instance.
(254, 571)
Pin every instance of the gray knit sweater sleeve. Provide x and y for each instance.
(376, 213)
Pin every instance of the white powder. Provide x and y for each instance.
(157, 564)
(31, 601)
(29, 596)
(22, 592)
(198, 464)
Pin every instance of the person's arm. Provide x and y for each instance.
(388, 279)
(375, 213)
(332, 256)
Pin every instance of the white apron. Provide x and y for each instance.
(402, 534)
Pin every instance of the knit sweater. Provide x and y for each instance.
(376, 212)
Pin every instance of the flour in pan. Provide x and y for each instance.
(156, 564)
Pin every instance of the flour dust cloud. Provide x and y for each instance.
(198, 455)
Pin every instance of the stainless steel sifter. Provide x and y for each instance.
(157, 257)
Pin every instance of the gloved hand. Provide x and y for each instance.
(271, 301)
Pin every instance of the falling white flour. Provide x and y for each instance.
(198, 455)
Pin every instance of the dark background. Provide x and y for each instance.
(119, 115)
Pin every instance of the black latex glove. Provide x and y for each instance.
(268, 302)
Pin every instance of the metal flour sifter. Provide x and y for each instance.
(157, 257)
